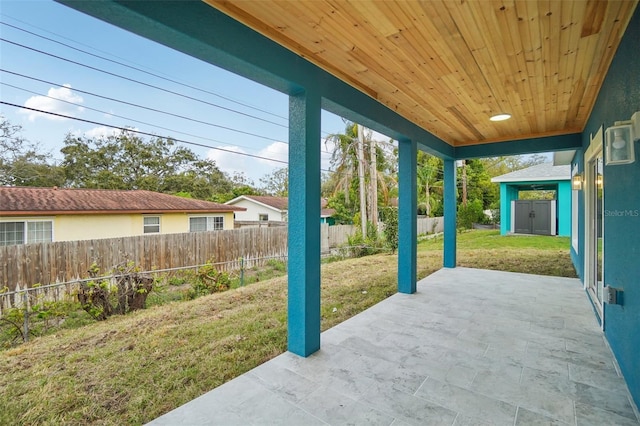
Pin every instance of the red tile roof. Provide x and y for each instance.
(16, 201)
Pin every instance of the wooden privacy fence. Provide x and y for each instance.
(23, 266)
(45, 263)
(430, 225)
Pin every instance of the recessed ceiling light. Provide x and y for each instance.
(500, 117)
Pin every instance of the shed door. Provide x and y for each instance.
(533, 217)
(541, 220)
(523, 217)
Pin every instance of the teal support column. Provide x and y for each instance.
(407, 216)
(304, 224)
(450, 212)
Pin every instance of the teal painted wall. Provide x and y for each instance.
(618, 99)
(577, 256)
(507, 195)
(564, 208)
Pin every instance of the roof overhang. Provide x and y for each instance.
(563, 158)
(245, 198)
(428, 72)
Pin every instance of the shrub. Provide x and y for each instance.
(101, 299)
(390, 220)
(470, 214)
(360, 246)
(208, 281)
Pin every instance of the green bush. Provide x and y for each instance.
(359, 246)
(389, 217)
(208, 281)
(470, 214)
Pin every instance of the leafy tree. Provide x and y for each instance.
(430, 185)
(479, 185)
(276, 183)
(390, 220)
(342, 185)
(127, 161)
(21, 163)
(496, 166)
(470, 214)
(242, 185)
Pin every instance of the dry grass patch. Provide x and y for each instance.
(131, 369)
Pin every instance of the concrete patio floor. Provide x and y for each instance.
(471, 347)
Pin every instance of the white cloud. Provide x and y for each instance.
(254, 168)
(54, 105)
(229, 162)
(277, 151)
(101, 132)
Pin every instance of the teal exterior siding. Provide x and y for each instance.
(564, 208)
(509, 193)
(618, 99)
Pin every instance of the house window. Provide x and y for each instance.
(263, 217)
(12, 233)
(151, 224)
(209, 223)
(39, 232)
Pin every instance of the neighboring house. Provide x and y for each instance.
(543, 217)
(35, 215)
(264, 208)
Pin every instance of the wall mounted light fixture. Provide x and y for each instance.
(620, 140)
(576, 182)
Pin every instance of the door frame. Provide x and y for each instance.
(594, 151)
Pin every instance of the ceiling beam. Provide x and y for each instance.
(522, 146)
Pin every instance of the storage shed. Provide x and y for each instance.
(536, 216)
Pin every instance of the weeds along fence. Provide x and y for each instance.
(24, 266)
(37, 310)
(40, 265)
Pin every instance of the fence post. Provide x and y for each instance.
(241, 271)
(25, 302)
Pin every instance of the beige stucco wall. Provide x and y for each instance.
(88, 227)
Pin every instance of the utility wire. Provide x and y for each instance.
(137, 106)
(136, 68)
(133, 119)
(125, 129)
(123, 117)
(143, 71)
(133, 80)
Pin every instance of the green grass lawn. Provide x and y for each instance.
(131, 369)
(478, 239)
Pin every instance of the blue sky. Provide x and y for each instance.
(60, 23)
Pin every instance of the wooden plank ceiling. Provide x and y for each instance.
(449, 65)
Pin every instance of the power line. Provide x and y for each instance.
(143, 71)
(123, 117)
(133, 80)
(125, 129)
(141, 107)
(149, 85)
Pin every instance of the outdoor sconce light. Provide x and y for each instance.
(576, 182)
(620, 139)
